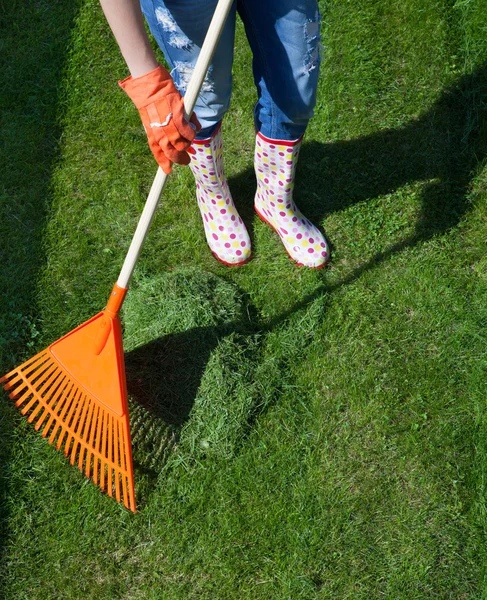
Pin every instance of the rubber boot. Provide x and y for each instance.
(275, 165)
(225, 231)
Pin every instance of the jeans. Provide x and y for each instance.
(284, 36)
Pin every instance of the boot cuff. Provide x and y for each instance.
(280, 142)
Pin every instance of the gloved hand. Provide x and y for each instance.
(161, 109)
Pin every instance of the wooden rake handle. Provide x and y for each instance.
(202, 64)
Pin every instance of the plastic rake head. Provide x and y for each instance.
(71, 412)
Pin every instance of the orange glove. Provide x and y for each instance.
(161, 109)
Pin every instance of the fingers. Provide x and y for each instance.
(179, 131)
(160, 156)
(165, 155)
(171, 142)
(177, 140)
(184, 158)
(176, 152)
(175, 156)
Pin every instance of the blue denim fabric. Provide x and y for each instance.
(284, 36)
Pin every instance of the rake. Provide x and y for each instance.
(75, 391)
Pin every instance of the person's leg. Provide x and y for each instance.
(285, 39)
(179, 27)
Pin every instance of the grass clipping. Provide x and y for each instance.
(189, 367)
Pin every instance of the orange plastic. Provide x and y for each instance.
(111, 311)
(116, 299)
(79, 398)
(161, 110)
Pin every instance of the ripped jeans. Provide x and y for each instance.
(284, 36)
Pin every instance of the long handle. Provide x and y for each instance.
(192, 93)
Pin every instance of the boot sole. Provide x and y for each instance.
(227, 264)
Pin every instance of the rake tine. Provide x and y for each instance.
(83, 424)
(94, 428)
(110, 457)
(16, 375)
(68, 410)
(35, 360)
(102, 448)
(84, 434)
(53, 377)
(124, 466)
(49, 375)
(61, 409)
(77, 434)
(50, 403)
(117, 470)
(128, 490)
(72, 423)
(36, 370)
(125, 436)
(55, 411)
(58, 400)
(71, 417)
(121, 438)
(12, 384)
(35, 412)
(30, 390)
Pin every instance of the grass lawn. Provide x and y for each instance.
(297, 434)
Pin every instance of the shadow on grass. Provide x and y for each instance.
(447, 144)
(164, 375)
(35, 39)
(163, 380)
(443, 148)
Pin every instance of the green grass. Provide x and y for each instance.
(297, 434)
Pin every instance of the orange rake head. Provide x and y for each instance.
(75, 392)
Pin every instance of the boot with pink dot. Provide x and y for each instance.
(275, 165)
(225, 231)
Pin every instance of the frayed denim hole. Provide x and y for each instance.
(183, 72)
(313, 60)
(315, 49)
(180, 41)
(311, 30)
(165, 19)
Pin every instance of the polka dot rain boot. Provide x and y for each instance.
(225, 231)
(275, 165)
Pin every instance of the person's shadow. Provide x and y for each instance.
(164, 374)
(443, 148)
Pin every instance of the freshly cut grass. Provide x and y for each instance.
(297, 434)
